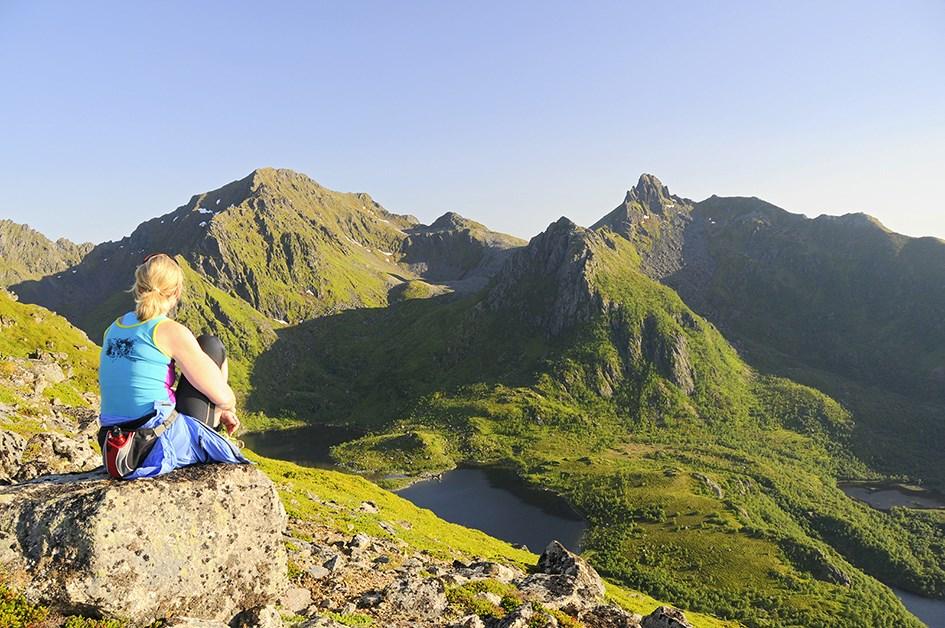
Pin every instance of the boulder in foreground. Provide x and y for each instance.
(202, 542)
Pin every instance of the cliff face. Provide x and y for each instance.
(547, 284)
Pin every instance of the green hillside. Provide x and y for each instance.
(275, 248)
(27, 254)
(702, 480)
(839, 303)
(47, 367)
(324, 498)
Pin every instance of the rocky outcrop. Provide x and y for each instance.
(203, 542)
(27, 254)
(11, 451)
(49, 453)
(456, 251)
(654, 219)
(547, 284)
(669, 352)
(666, 617)
(382, 579)
(564, 581)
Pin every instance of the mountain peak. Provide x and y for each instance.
(452, 220)
(649, 197)
(651, 193)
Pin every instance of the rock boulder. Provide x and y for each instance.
(565, 581)
(203, 542)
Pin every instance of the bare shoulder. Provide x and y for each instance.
(169, 327)
(169, 335)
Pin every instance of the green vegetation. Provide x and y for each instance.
(245, 332)
(34, 339)
(706, 480)
(17, 612)
(30, 330)
(702, 481)
(350, 619)
(415, 452)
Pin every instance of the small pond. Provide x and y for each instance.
(885, 496)
(931, 612)
(500, 504)
(309, 445)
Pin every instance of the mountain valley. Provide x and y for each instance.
(695, 378)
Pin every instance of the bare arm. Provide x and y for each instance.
(178, 342)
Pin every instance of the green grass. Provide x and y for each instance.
(415, 452)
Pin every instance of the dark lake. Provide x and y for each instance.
(307, 445)
(498, 503)
(885, 496)
(932, 612)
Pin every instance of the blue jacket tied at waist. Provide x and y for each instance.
(187, 441)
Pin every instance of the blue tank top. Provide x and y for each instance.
(133, 373)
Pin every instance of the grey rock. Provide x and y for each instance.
(318, 572)
(11, 450)
(295, 599)
(481, 570)
(49, 453)
(418, 596)
(609, 616)
(565, 581)
(258, 617)
(469, 621)
(521, 617)
(334, 563)
(45, 374)
(666, 617)
(148, 549)
(710, 483)
(359, 542)
(368, 506)
(547, 284)
(370, 599)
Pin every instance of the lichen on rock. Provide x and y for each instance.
(203, 542)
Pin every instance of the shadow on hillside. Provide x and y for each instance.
(361, 365)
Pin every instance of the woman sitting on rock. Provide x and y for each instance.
(148, 428)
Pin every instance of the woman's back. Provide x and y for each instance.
(133, 371)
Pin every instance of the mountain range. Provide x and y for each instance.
(694, 377)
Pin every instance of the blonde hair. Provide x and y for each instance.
(159, 282)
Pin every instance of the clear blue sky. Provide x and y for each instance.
(512, 113)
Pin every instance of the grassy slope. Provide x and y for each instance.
(628, 458)
(418, 527)
(332, 499)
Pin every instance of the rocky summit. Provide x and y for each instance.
(203, 542)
